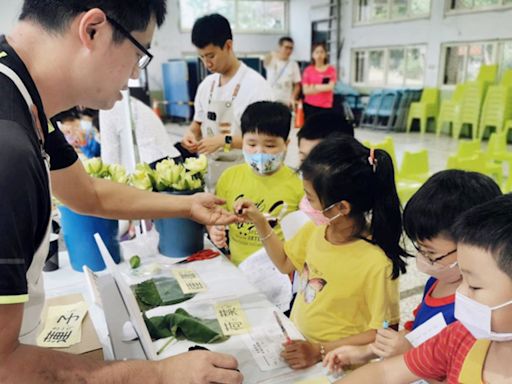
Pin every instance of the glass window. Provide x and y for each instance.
(396, 66)
(463, 61)
(506, 59)
(477, 4)
(386, 10)
(399, 9)
(380, 10)
(415, 66)
(419, 8)
(393, 66)
(240, 13)
(271, 16)
(376, 68)
(359, 66)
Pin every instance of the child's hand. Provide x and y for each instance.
(347, 355)
(248, 211)
(390, 343)
(301, 354)
(218, 235)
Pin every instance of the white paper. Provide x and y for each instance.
(263, 274)
(265, 345)
(427, 330)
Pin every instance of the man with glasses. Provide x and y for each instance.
(64, 53)
(283, 74)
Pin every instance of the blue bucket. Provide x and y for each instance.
(79, 233)
(179, 237)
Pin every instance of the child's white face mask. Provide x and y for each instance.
(477, 318)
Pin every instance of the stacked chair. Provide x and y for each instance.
(425, 109)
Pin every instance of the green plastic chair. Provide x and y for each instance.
(449, 111)
(415, 166)
(477, 163)
(468, 148)
(506, 78)
(497, 150)
(507, 187)
(426, 108)
(406, 189)
(496, 110)
(472, 101)
(487, 73)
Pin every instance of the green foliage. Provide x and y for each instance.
(184, 326)
(158, 292)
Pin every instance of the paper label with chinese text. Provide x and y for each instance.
(232, 318)
(63, 326)
(189, 281)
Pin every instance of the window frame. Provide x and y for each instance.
(386, 50)
(496, 58)
(455, 12)
(390, 19)
(234, 24)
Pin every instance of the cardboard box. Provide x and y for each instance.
(89, 345)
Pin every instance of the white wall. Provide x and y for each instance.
(9, 12)
(438, 29)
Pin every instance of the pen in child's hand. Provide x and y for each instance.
(280, 323)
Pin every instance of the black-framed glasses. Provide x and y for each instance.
(147, 57)
(437, 259)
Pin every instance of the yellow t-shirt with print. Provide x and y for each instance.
(268, 192)
(344, 289)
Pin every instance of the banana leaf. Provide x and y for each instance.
(159, 291)
(183, 325)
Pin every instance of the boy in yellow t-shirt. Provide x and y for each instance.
(263, 178)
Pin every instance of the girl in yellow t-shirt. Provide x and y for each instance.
(349, 257)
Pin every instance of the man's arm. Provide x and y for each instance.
(97, 197)
(392, 371)
(29, 364)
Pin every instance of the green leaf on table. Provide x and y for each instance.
(159, 291)
(183, 325)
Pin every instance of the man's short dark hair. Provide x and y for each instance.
(57, 15)
(489, 227)
(444, 197)
(211, 29)
(271, 118)
(324, 124)
(285, 39)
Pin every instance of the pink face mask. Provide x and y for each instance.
(447, 273)
(315, 215)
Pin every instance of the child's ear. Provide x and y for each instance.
(345, 207)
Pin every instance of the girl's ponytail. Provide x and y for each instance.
(386, 217)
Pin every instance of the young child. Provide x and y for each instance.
(263, 178)
(348, 257)
(478, 347)
(428, 218)
(318, 127)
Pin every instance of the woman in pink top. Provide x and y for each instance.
(318, 82)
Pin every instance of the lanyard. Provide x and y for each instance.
(280, 73)
(233, 96)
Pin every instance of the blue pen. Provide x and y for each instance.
(385, 324)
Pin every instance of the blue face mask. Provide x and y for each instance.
(264, 163)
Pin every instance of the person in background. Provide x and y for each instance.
(283, 73)
(320, 126)
(318, 81)
(221, 97)
(90, 125)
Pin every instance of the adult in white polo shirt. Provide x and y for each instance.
(221, 97)
(283, 74)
